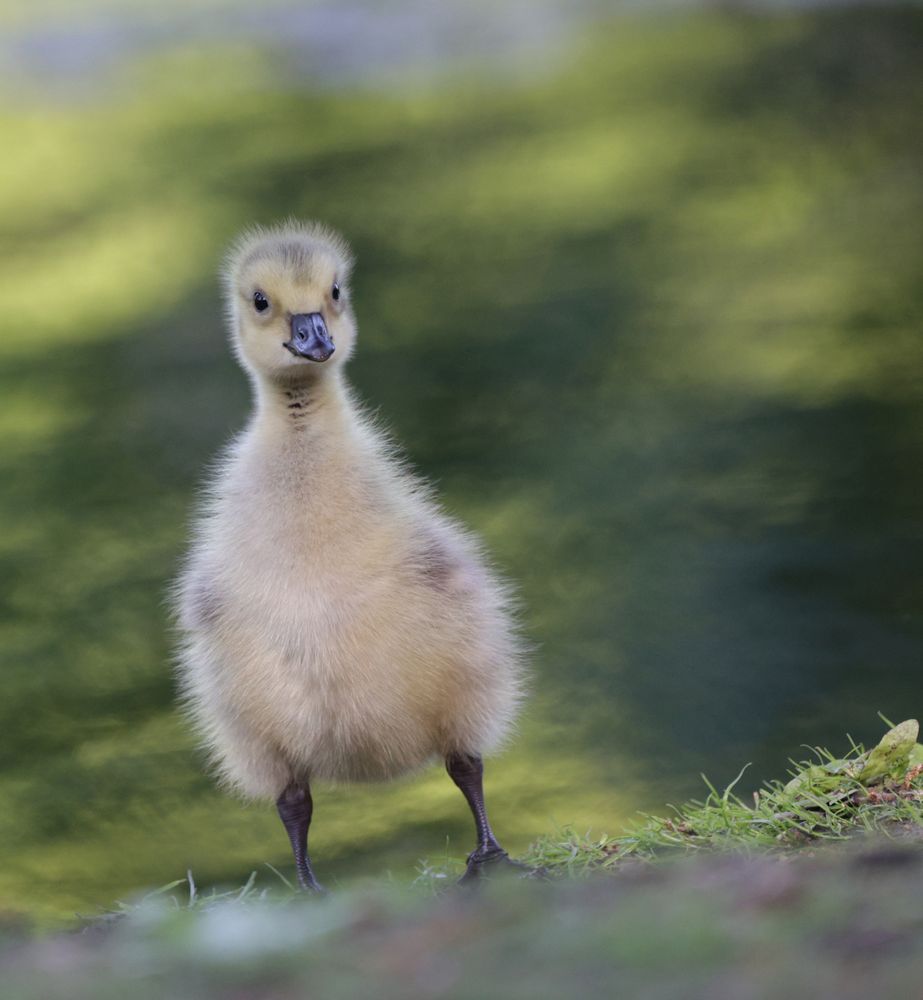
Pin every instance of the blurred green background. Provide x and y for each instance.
(640, 291)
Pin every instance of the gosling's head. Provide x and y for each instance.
(288, 301)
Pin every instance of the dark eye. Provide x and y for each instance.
(335, 291)
(260, 302)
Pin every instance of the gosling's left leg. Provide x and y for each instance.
(467, 771)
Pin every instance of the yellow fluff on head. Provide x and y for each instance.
(336, 624)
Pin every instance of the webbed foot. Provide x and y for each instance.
(495, 861)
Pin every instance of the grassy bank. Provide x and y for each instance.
(838, 925)
(768, 906)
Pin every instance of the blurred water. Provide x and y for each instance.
(331, 43)
(650, 319)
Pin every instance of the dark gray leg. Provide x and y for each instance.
(467, 771)
(295, 807)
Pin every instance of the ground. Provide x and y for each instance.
(811, 890)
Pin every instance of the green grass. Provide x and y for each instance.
(828, 798)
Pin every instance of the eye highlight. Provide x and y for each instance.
(260, 302)
(335, 291)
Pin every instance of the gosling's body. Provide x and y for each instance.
(339, 626)
(336, 624)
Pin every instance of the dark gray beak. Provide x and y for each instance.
(310, 338)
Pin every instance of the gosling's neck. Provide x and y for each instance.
(306, 409)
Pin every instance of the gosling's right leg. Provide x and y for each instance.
(295, 807)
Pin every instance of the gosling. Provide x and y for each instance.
(336, 625)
